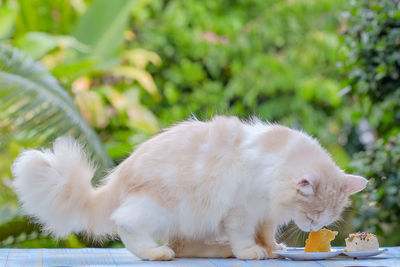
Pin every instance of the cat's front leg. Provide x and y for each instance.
(241, 231)
(266, 238)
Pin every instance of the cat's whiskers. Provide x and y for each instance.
(338, 223)
(299, 237)
(293, 233)
(285, 232)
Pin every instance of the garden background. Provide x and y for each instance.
(113, 73)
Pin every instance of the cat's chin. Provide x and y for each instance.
(308, 228)
(304, 228)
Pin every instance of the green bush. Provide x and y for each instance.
(374, 46)
(373, 65)
(378, 207)
(373, 62)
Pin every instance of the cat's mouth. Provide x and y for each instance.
(315, 228)
(308, 224)
(309, 227)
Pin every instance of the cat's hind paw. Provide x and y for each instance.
(255, 252)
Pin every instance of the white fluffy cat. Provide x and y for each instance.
(193, 182)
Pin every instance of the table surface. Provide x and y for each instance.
(120, 256)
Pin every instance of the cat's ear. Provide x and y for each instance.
(353, 184)
(305, 186)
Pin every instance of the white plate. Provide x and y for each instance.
(298, 254)
(364, 254)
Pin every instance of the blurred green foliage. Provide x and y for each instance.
(373, 64)
(378, 207)
(133, 67)
(245, 58)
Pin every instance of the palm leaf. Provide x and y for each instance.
(104, 35)
(34, 107)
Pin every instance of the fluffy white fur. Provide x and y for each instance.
(194, 182)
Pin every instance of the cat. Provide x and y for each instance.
(193, 182)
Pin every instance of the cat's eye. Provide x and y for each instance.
(305, 187)
(304, 182)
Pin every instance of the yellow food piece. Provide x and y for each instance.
(320, 241)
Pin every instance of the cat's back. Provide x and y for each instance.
(192, 136)
(187, 148)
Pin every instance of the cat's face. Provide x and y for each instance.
(321, 198)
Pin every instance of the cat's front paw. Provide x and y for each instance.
(279, 246)
(255, 252)
(273, 248)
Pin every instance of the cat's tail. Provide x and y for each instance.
(54, 187)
